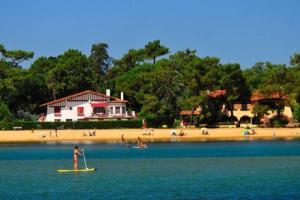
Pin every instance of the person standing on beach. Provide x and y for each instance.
(76, 153)
(122, 138)
(55, 131)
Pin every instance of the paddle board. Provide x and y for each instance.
(78, 170)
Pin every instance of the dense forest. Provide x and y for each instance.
(157, 84)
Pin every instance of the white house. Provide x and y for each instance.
(87, 105)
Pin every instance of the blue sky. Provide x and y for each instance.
(237, 31)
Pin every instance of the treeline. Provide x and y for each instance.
(157, 84)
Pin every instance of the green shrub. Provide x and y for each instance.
(4, 112)
(278, 122)
(296, 113)
(28, 125)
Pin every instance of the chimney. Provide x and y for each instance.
(122, 95)
(107, 92)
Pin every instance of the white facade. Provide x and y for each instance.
(87, 105)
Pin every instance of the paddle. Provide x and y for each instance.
(84, 159)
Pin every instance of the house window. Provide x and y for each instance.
(111, 110)
(68, 120)
(57, 111)
(70, 108)
(99, 110)
(57, 120)
(80, 111)
(118, 110)
(123, 110)
(244, 107)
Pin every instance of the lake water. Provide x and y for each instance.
(213, 170)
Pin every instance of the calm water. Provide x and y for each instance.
(221, 170)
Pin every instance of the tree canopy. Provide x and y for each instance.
(157, 84)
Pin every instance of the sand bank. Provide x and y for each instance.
(159, 135)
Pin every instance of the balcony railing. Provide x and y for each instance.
(108, 115)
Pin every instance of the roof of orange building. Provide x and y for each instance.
(216, 93)
(189, 112)
(256, 96)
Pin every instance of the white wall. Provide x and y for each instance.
(67, 113)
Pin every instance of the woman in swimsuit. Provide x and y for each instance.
(76, 153)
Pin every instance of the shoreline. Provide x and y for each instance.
(159, 135)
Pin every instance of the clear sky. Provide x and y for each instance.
(242, 31)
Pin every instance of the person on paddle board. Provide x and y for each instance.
(76, 153)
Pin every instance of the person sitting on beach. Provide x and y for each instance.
(76, 153)
(246, 131)
(204, 131)
(148, 131)
(173, 132)
(181, 133)
(252, 131)
(42, 135)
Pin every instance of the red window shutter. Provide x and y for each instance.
(80, 110)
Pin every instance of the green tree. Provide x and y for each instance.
(295, 59)
(276, 79)
(233, 82)
(296, 113)
(99, 57)
(154, 49)
(72, 73)
(259, 110)
(169, 74)
(4, 112)
(136, 83)
(255, 75)
(15, 57)
(131, 59)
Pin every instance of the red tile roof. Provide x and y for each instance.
(256, 96)
(216, 93)
(189, 112)
(115, 100)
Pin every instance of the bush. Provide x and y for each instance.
(28, 125)
(278, 122)
(225, 123)
(296, 113)
(154, 122)
(4, 112)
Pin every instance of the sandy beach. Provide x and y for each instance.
(158, 135)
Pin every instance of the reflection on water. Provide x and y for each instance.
(219, 170)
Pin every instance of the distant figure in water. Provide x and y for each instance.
(123, 141)
(76, 153)
(140, 143)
